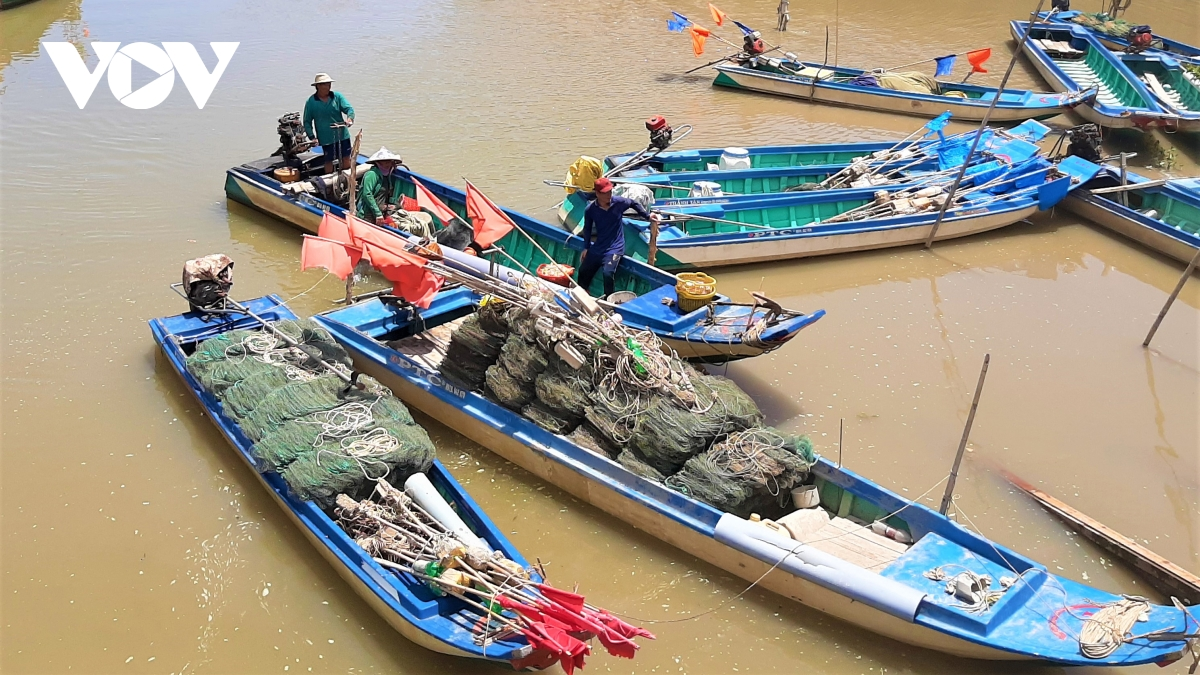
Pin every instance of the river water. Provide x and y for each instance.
(135, 542)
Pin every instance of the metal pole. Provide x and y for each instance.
(962, 171)
(1174, 294)
(841, 430)
(962, 444)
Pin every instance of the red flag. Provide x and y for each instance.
(717, 14)
(491, 223)
(572, 601)
(977, 59)
(409, 204)
(429, 201)
(334, 228)
(628, 630)
(411, 279)
(335, 256)
(362, 232)
(699, 35)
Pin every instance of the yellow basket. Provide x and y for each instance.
(695, 290)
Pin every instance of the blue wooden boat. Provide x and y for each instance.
(1071, 59)
(882, 585)
(776, 227)
(1159, 43)
(442, 624)
(715, 334)
(1163, 217)
(838, 85)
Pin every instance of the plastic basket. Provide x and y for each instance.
(695, 290)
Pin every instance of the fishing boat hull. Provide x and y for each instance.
(1174, 48)
(1032, 105)
(1179, 241)
(409, 616)
(689, 335)
(885, 601)
(1121, 101)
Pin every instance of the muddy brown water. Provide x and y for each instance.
(134, 541)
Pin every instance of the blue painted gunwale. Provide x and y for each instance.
(1082, 39)
(445, 619)
(712, 155)
(684, 327)
(1018, 623)
(1175, 48)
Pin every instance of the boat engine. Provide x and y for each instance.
(660, 132)
(1140, 38)
(292, 139)
(1060, 5)
(752, 43)
(207, 280)
(1084, 142)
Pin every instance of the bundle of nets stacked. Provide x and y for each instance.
(1103, 23)
(474, 347)
(751, 471)
(321, 437)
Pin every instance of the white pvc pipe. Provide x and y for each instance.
(421, 491)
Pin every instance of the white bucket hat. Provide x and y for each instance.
(322, 78)
(384, 155)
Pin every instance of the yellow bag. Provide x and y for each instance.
(583, 173)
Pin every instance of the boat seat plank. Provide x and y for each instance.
(855, 544)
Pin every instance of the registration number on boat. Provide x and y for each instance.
(429, 376)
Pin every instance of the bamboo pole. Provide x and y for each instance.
(352, 207)
(962, 444)
(1171, 300)
(653, 251)
(962, 172)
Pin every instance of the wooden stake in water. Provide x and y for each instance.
(352, 207)
(841, 433)
(1171, 300)
(962, 445)
(652, 252)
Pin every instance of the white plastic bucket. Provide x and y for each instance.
(806, 496)
(706, 188)
(734, 159)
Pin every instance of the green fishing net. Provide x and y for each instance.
(472, 350)
(350, 465)
(588, 437)
(538, 414)
(523, 360)
(638, 466)
(509, 391)
(1103, 23)
(751, 471)
(565, 395)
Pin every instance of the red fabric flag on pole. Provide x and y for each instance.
(491, 224)
(572, 601)
(977, 59)
(717, 14)
(337, 257)
(410, 277)
(699, 35)
(362, 232)
(334, 228)
(429, 201)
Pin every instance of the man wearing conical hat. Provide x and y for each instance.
(380, 198)
(327, 118)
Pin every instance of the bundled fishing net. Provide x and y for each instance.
(493, 316)
(638, 466)
(327, 428)
(226, 360)
(472, 350)
(1103, 23)
(588, 437)
(565, 394)
(523, 359)
(395, 451)
(511, 392)
(538, 414)
(751, 471)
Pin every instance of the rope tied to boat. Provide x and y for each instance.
(1106, 630)
(974, 590)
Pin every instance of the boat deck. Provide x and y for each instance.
(428, 348)
(1079, 70)
(843, 538)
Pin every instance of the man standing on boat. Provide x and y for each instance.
(603, 217)
(327, 117)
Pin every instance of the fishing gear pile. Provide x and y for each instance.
(322, 437)
(511, 600)
(473, 349)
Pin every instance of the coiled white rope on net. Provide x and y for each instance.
(1106, 630)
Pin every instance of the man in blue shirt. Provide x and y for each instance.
(327, 116)
(604, 217)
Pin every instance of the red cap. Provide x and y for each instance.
(603, 185)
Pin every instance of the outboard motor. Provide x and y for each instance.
(752, 43)
(660, 132)
(1084, 142)
(1140, 38)
(207, 280)
(1060, 5)
(292, 139)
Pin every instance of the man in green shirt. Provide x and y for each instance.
(327, 116)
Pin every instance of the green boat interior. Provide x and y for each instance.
(1088, 67)
(1155, 204)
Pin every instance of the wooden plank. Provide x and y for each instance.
(1162, 574)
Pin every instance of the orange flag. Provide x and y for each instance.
(337, 257)
(334, 228)
(429, 201)
(362, 233)
(717, 14)
(699, 35)
(411, 279)
(977, 58)
(491, 223)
